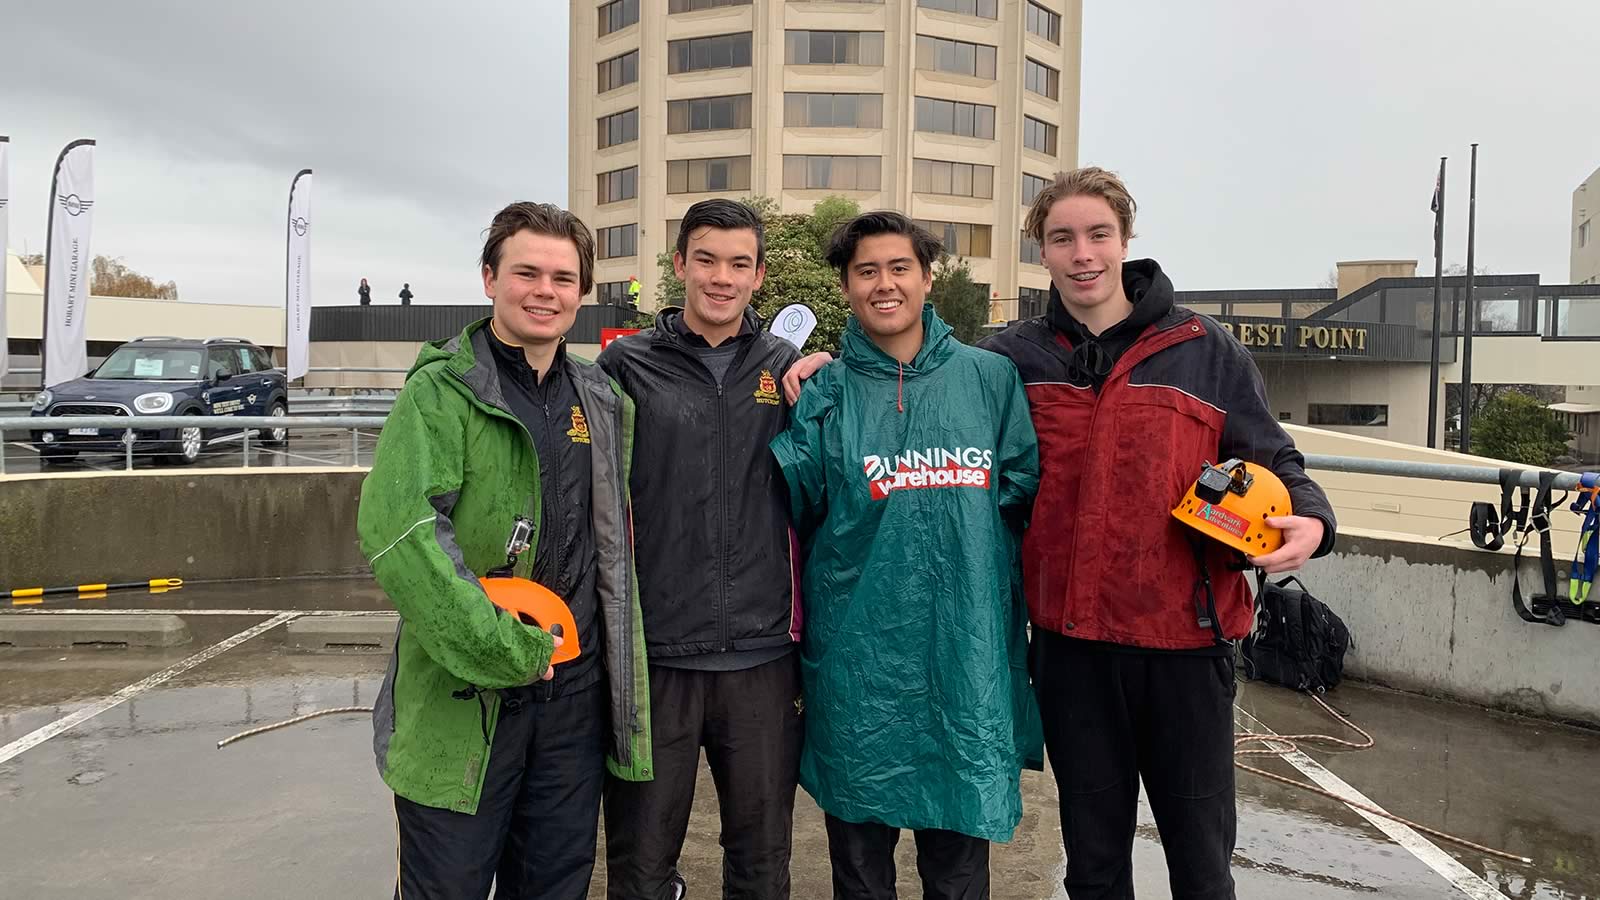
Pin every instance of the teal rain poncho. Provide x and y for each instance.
(910, 486)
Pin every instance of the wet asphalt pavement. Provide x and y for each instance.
(138, 802)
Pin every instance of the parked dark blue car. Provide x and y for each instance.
(166, 376)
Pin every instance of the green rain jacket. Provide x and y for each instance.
(911, 485)
(454, 468)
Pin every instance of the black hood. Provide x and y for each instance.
(1094, 356)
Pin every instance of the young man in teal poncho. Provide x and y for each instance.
(911, 462)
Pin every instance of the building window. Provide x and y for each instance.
(839, 173)
(1041, 79)
(618, 128)
(1031, 186)
(1348, 414)
(815, 48)
(1044, 23)
(949, 117)
(958, 179)
(708, 114)
(1583, 234)
(833, 110)
(1040, 136)
(617, 15)
(723, 51)
(960, 239)
(983, 8)
(673, 227)
(956, 57)
(683, 6)
(620, 184)
(618, 71)
(1028, 251)
(619, 240)
(721, 173)
(611, 293)
(1031, 302)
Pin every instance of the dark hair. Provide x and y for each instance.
(541, 218)
(842, 245)
(724, 214)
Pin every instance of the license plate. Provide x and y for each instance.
(86, 432)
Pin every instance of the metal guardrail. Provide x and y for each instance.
(252, 425)
(1565, 481)
(125, 430)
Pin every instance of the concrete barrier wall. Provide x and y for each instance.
(1436, 618)
(1428, 616)
(193, 524)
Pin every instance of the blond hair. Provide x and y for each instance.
(1091, 181)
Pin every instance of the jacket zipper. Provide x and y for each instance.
(722, 501)
(560, 547)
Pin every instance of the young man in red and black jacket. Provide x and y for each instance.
(1130, 397)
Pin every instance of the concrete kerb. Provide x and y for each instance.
(121, 631)
(342, 634)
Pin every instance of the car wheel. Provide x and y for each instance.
(57, 457)
(278, 437)
(191, 440)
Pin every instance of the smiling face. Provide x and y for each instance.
(720, 274)
(1083, 248)
(535, 289)
(887, 285)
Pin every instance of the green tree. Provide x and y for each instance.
(796, 271)
(1518, 428)
(958, 300)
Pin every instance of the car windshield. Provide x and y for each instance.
(151, 364)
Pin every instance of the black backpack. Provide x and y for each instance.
(1298, 641)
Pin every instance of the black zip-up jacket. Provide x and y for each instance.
(564, 560)
(717, 561)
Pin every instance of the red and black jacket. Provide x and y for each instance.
(1103, 559)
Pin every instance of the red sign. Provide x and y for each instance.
(607, 335)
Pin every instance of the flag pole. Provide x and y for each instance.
(1438, 286)
(1469, 313)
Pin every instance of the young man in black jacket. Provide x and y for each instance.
(718, 571)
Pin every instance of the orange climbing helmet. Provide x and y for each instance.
(531, 601)
(539, 606)
(1231, 503)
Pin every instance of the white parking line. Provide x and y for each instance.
(1428, 853)
(40, 735)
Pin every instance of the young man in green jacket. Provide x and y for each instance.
(496, 758)
(911, 463)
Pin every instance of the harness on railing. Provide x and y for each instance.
(1587, 560)
(1489, 528)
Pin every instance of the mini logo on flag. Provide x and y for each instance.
(300, 225)
(73, 204)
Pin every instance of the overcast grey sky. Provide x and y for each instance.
(1264, 139)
